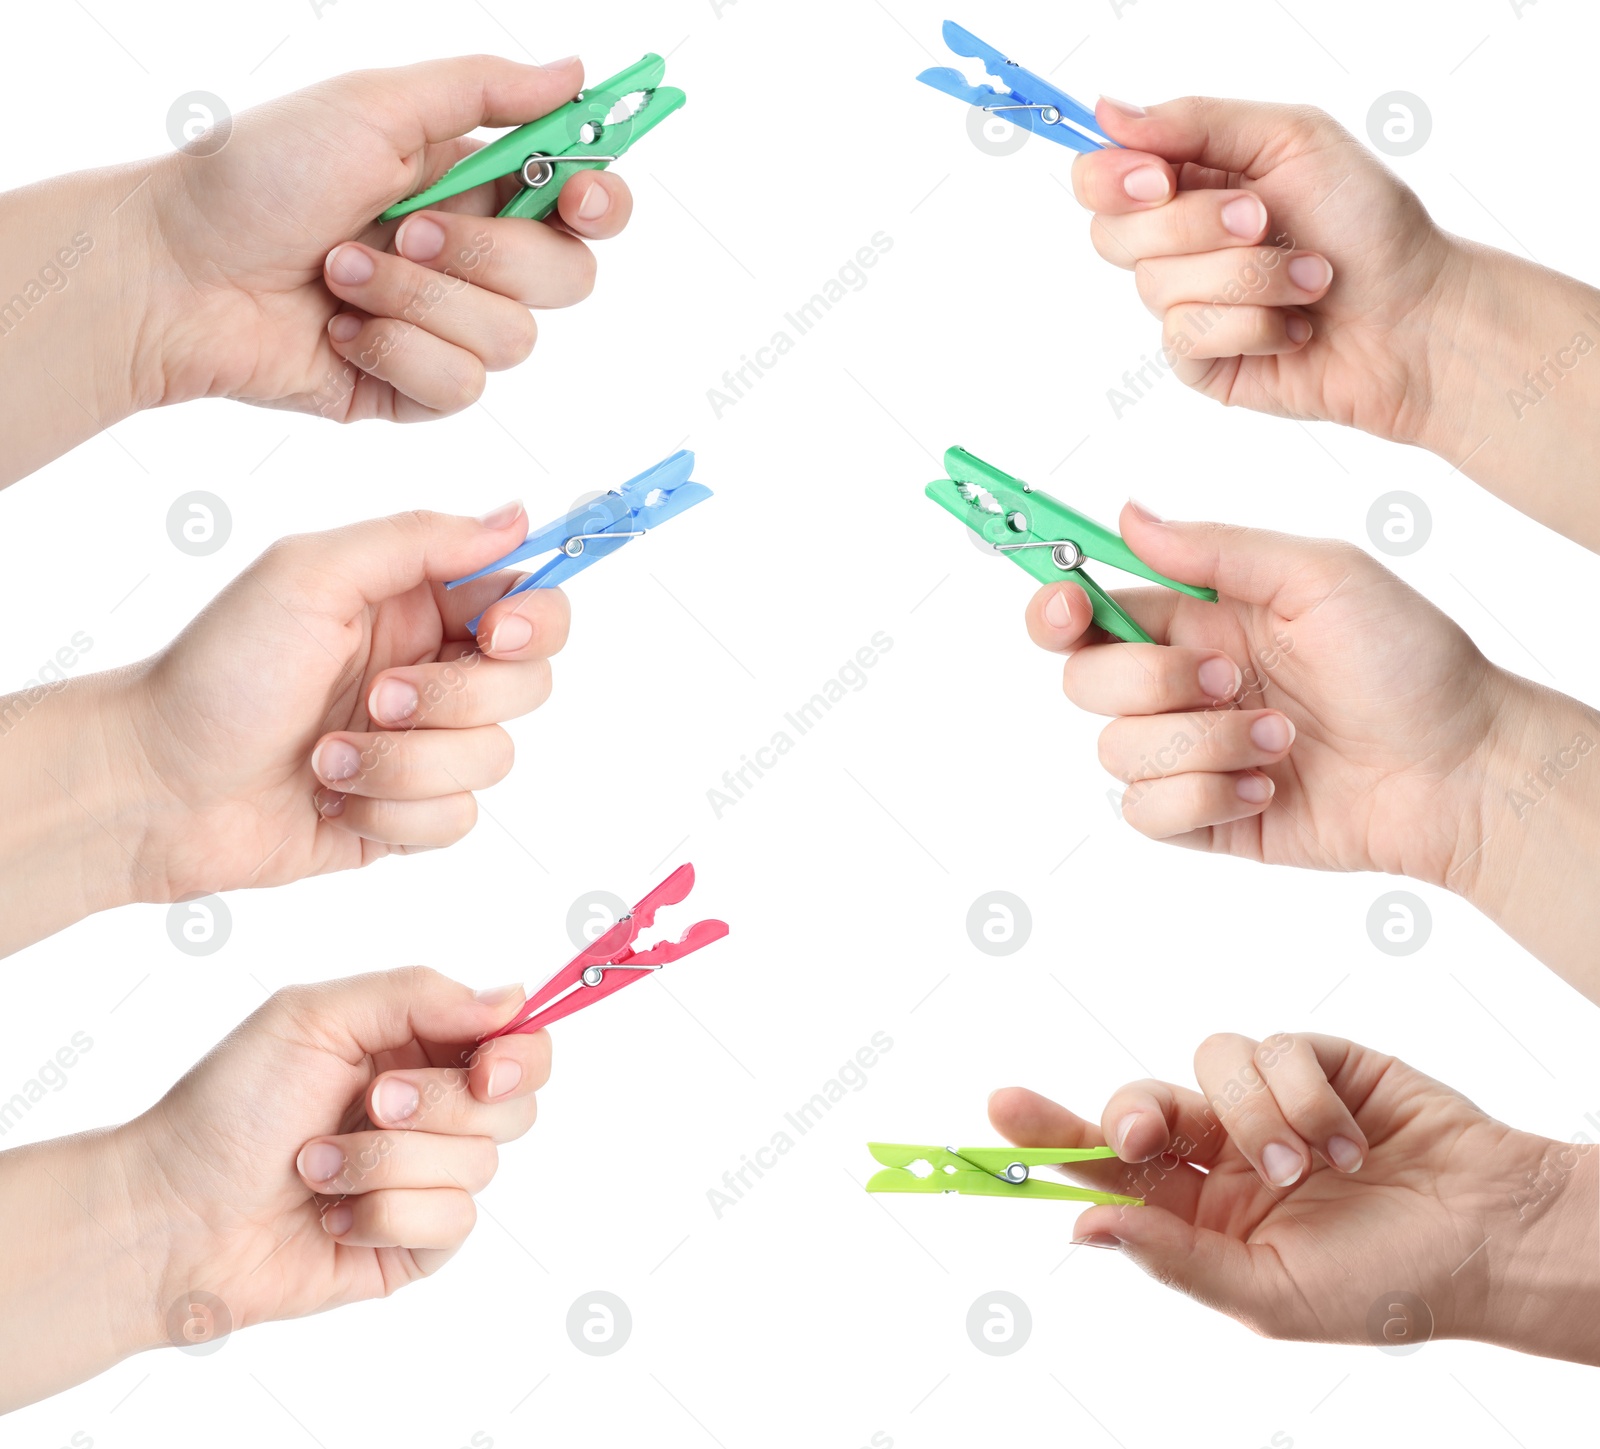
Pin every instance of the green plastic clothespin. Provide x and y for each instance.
(986, 1171)
(585, 134)
(1042, 535)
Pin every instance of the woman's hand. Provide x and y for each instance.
(1315, 1189)
(331, 706)
(259, 272)
(1295, 274)
(284, 291)
(326, 1152)
(1320, 713)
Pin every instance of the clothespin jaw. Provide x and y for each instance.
(1027, 100)
(602, 526)
(1045, 537)
(986, 1171)
(585, 134)
(610, 962)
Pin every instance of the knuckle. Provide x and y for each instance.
(467, 386)
(585, 269)
(1105, 243)
(465, 817)
(485, 1162)
(502, 754)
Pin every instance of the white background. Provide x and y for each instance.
(810, 1313)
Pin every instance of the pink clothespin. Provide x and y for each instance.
(611, 962)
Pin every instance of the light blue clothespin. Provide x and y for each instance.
(1029, 100)
(589, 534)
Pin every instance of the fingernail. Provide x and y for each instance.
(1057, 613)
(1272, 733)
(1280, 1164)
(1344, 1154)
(421, 239)
(336, 760)
(1126, 107)
(1148, 183)
(497, 995)
(393, 701)
(342, 326)
(1124, 1131)
(1310, 274)
(319, 1162)
(336, 1221)
(595, 204)
(350, 266)
(1148, 514)
(396, 1099)
(1097, 1240)
(1244, 216)
(503, 1078)
(1254, 789)
(1220, 678)
(329, 803)
(503, 516)
(511, 634)
(557, 64)
(1297, 329)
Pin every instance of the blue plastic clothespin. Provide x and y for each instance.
(1029, 100)
(588, 534)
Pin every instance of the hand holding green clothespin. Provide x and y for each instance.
(585, 134)
(986, 1171)
(1042, 535)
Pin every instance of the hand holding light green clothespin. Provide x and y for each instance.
(585, 134)
(986, 1171)
(1044, 536)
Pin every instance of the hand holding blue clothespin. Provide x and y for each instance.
(588, 534)
(1029, 100)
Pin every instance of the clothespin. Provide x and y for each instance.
(986, 1171)
(1042, 535)
(585, 134)
(611, 962)
(1027, 100)
(588, 534)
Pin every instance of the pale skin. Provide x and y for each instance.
(1323, 714)
(1315, 1189)
(326, 1152)
(329, 708)
(258, 273)
(1294, 274)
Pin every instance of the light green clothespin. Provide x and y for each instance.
(986, 1171)
(1042, 535)
(585, 134)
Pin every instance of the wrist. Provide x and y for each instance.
(74, 827)
(1532, 833)
(1544, 1277)
(1465, 324)
(84, 1257)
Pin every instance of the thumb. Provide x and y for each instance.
(438, 100)
(1252, 565)
(383, 557)
(1246, 137)
(378, 1012)
(1221, 1272)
